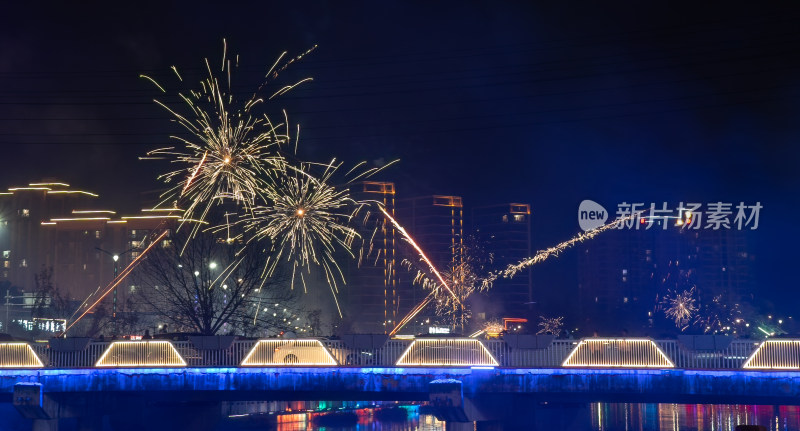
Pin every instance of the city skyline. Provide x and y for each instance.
(536, 113)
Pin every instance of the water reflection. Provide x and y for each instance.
(326, 416)
(692, 417)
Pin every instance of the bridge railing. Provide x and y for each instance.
(731, 357)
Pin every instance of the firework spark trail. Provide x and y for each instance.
(511, 270)
(411, 241)
(307, 220)
(411, 314)
(228, 147)
(122, 275)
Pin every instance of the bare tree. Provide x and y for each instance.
(212, 287)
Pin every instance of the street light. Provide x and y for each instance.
(115, 257)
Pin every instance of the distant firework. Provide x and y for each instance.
(680, 307)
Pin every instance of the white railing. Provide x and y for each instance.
(552, 356)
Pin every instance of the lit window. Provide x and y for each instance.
(97, 234)
(505, 219)
(26, 213)
(519, 217)
(134, 254)
(23, 263)
(624, 272)
(6, 253)
(6, 264)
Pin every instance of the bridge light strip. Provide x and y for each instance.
(775, 355)
(158, 353)
(618, 353)
(18, 355)
(448, 352)
(282, 352)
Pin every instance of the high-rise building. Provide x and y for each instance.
(506, 231)
(621, 272)
(436, 224)
(371, 299)
(49, 226)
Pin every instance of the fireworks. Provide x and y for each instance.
(235, 157)
(228, 147)
(718, 316)
(541, 256)
(680, 307)
(550, 325)
(306, 219)
(509, 272)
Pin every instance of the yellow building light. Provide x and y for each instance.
(775, 355)
(447, 201)
(80, 219)
(93, 212)
(150, 217)
(447, 352)
(520, 209)
(158, 353)
(14, 189)
(71, 192)
(147, 210)
(270, 353)
(18, 355)
(618, 353)
(48, 184)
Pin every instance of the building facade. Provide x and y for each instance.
(505, 229)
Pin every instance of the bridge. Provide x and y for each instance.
(466, 379)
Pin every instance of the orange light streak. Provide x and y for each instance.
(194, 174)
(421, 253)
(122, 275)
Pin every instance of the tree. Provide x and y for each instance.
(210, 286)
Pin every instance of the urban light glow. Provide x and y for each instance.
(72, 192)
(48, 184)
(618, 352)
(288, 353)
(447, 352)
(159, 353)
(18, 355)
(775, 355)
(151, 216)
(80, 219)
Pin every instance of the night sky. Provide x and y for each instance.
(539, 103)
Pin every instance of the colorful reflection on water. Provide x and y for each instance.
(692, 417)
(305, 416)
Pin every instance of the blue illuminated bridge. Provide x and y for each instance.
(466, 380)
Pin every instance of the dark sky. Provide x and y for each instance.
(540, 102)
